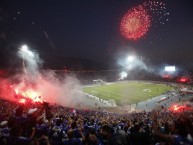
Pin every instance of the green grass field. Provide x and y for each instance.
(125, 93)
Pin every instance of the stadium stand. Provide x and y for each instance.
(44, 124)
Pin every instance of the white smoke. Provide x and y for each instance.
(123, 75)
(43, 85)
(31, 62)
(132, 62)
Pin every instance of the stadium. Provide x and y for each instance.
(109, 98)
(52, 105)
(127, 92)
(96, 72)
(137, 95)
(112, 107)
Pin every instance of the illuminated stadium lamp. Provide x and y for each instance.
(170, 68)
(130, 58)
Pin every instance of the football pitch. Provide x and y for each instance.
(125, 93)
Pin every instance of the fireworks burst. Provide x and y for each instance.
(135, 23)
(158, 11)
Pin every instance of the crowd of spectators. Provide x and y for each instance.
(45, 124)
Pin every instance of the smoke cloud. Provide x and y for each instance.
(41, 85)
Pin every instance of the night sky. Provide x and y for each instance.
(87, 33)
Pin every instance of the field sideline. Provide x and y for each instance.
(125, 93)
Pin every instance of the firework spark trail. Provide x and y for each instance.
(50, 42)
(158, 10)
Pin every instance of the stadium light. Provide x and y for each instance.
(130, 58)
(170, 68)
